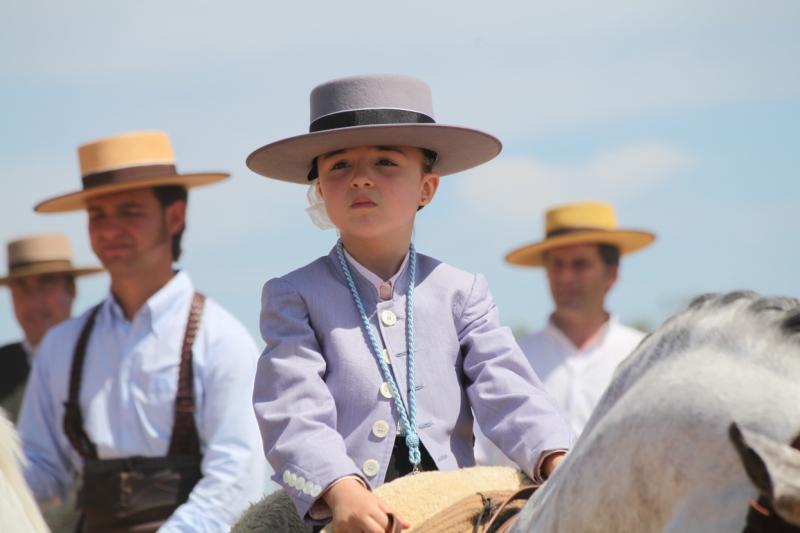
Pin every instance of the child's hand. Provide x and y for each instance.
(356, 509)
(551, 463)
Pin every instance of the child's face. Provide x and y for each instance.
(374, 191)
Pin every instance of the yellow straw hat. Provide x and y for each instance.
(580, 223)
(42, 254)
(124, 162)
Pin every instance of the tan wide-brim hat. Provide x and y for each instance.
(42, 254)
(379, 110)
(125, 162)
(580, 223)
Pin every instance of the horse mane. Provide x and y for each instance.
(742, 324)
(745, 314)
(751, 302)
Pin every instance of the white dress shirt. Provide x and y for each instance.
(575, 378)
(127, 399)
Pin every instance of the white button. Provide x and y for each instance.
(299, 482)
(386, 390)
(315, 490)
(385, 356)
(380, 429)
(307, 487)
(388, 317)
(286, 476)
(292, 479)
(371, 467)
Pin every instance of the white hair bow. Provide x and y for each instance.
(316, 208)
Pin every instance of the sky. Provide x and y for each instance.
(684, 115)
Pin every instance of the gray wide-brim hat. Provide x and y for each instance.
(380, 110)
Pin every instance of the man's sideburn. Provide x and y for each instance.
(163, 238)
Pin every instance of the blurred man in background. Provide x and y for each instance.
(41, 279)
(576, 354)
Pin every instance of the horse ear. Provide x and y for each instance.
(773, 467)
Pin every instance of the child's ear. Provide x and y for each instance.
(430, 183)
(319, 188)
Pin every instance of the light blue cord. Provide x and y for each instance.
(409, 419)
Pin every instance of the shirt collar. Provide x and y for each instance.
(30, 350)
(160, 306)
(373, 278)
(597, 339)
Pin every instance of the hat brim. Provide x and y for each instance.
(626, 240)
(457, 148)
(77, 200)
(36, 270)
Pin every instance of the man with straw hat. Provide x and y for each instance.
(576, 354)
(147, 394)
(41, 278)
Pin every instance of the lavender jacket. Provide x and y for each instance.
(318, 395)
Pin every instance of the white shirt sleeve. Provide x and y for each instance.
(47, 468)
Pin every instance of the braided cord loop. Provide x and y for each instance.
(412, 438)
(408, 417)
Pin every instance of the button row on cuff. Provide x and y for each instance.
(301, 484)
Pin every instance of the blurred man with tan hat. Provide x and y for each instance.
(41, 278)
(576, 354)
(148, 394)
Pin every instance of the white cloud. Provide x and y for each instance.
(509, 190)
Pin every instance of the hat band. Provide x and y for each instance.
(368, 117)
(575, 229)
(122, 175)
(54, 265)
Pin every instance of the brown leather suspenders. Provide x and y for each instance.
(185, 439)
(73, 417)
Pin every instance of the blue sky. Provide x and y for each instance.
(683, 114)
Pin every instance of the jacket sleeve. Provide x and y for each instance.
(509, 402)
(295, 409)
